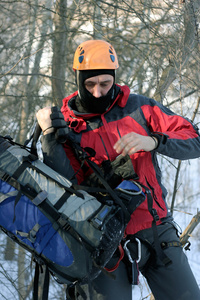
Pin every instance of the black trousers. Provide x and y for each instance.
(174, 282)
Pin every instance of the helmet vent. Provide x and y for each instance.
(112, 57)
(80, 59)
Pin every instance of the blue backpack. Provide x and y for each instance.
(68, 230)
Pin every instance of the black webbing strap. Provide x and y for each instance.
(159, 251)
(46, 284)
(62, 200)
(45, 289)
(27, 160)
(36, 282)
(50, 210)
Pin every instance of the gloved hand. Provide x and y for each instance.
(57, 118)
(59, 124)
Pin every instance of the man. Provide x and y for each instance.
(107, 118)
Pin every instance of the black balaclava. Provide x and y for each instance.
(85, 101)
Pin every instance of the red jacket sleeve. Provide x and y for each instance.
(178, 137)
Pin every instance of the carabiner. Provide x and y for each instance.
(128, 252)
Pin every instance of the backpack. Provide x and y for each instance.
(65, 228)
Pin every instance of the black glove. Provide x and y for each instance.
(58, 122)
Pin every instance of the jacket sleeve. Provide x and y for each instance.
(55, 157)
(178, 137)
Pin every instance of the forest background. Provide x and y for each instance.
(158, 46)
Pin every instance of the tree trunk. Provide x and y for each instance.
(21, 273)
(59, 53)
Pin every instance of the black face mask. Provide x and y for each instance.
(91, 104)
(85, 101)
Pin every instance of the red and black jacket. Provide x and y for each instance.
(178, 138)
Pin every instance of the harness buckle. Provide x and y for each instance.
(155, 214)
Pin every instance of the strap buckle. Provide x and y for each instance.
(155, 214)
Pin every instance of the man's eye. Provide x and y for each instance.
(104, 84)
(89, 85)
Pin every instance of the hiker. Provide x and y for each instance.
(109, 119)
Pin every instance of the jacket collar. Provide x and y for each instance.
(77, 121)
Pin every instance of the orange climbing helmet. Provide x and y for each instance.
(95, 55)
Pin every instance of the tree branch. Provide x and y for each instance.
(189, 229)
